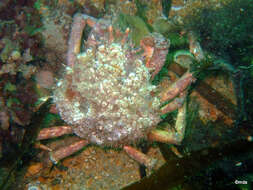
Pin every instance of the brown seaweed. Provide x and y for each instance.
(28, 141)
(176, 171)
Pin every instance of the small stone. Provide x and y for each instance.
(34, 169)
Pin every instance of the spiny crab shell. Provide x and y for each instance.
(106, 95)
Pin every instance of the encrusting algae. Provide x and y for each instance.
(106, 95)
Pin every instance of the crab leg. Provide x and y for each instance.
(42, 147)
(52, 132)
(140, 157)
(56, 156)
(74, 43)
(110, 30)
(171, 136)
(177, 87)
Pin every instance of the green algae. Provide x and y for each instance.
(226, 29)
(166, 7)
(10, 87)
(137, 27)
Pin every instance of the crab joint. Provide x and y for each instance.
(163, 136)
(140, 157)
(177, 87)
(42, 147)
(61, 153)
(175, 104)
(171, 136)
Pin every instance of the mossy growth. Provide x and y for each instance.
(225, 31)
(141, 12)
(137, 26)
(177, 41)
(10, 87)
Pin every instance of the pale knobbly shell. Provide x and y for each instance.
(106, 97)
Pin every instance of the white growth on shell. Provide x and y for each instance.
(111, 104)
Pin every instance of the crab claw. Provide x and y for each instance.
(155, 48)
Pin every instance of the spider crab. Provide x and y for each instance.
(106, 96)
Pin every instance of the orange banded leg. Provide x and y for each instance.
(74, 43)
(57, 155)
(140, 157)
(177, 87)
(52, 132)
